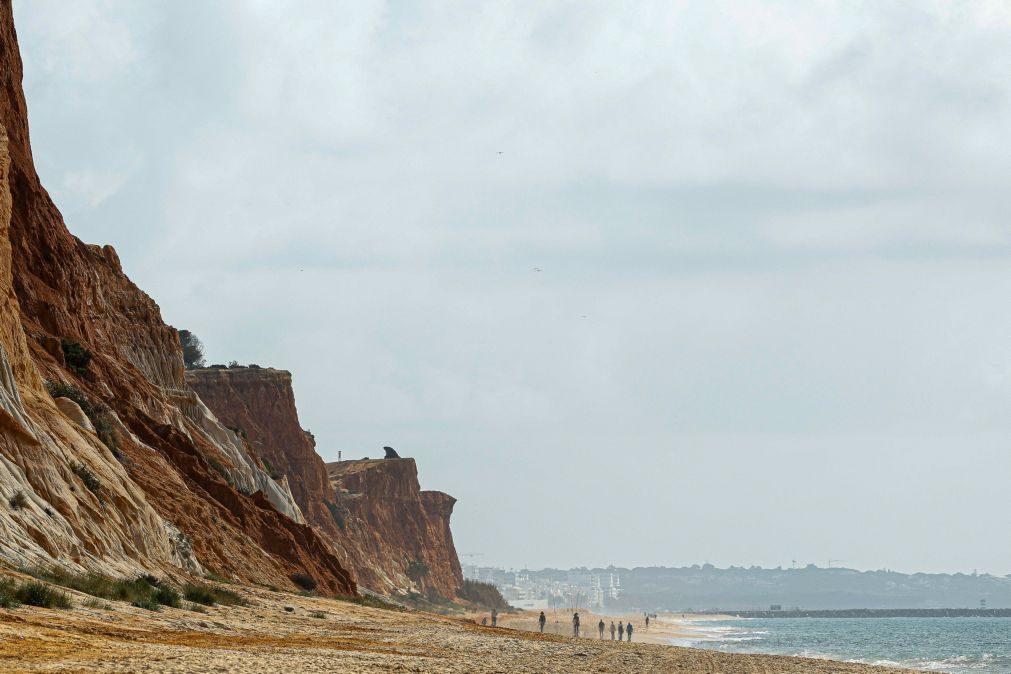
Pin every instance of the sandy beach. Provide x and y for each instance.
(661, 630)
(292, 633)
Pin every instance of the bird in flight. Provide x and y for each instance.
(538, 269)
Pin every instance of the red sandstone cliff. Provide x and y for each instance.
(403, 532)
(377, 515)
(161, 507)
(261, 403)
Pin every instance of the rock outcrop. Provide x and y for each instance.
(374, 511)
(402, 531)
(259, 405)
(161, 486)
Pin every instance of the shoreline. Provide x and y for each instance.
(667, 629)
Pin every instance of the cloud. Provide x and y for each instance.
(784, 225)
(94, 186)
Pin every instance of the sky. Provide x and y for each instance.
(651, 283)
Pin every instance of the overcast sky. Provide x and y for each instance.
(773, 320)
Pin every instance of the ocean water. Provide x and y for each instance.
(958, 645)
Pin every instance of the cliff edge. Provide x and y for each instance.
(259, 404)
(401, 530)
(394, 537)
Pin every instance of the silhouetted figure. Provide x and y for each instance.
(629, 630)
(541, 620)
(647, 623)
(621, 631)
(494, 613)
(484, 621)
(613, 629)
(575, 624)
(600, 628)
(391, 453)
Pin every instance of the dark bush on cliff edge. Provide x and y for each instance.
(193, 349)
(484, 594)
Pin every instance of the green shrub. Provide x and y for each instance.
(200, 594)
(216, 465)
(484, 594)
(8, 594)
(99, 415)
(147, 603)
(75, 356)
(39, 594)
(101, 419)
(142, 591)
(338, 514)
(208, 595)
(166, 596)
(18, 501)
(93, 484)
(32, 593)
(228, 598)
(416, 570)
(306, 582)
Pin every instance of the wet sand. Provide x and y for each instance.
(322, 635)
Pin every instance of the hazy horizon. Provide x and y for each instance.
(642, 285)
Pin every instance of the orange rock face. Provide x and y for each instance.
(261, 403)
(161, 505)
(402, 531)
(374, 511)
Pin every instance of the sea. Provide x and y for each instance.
(957, 645)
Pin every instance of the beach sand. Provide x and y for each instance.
(322, 635)
(662, 630)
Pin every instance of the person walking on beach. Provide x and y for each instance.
(575, 624)
(600, 628)
(621, 631)
(647, 623)
(494, 617)
(628, 629)
(613, 630)
(541, 620)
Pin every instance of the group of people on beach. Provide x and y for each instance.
(622, 629)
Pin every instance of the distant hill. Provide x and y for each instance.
(737, 588)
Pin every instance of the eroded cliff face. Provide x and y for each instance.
(403, 532)
(260, 403)
(374, 511)
(162, 505)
